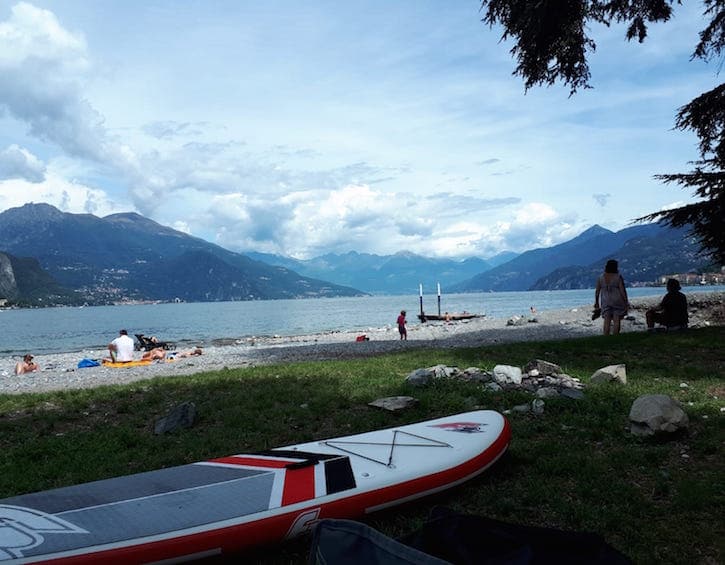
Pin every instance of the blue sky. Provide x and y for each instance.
(303, 128)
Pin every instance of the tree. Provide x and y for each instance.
(551, 45)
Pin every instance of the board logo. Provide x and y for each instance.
(22, 529)
(463, 427)
(303, 523)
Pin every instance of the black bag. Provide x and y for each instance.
(448, 537)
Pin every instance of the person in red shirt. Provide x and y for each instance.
(401, 325)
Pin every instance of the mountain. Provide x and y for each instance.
(128, 257)
(383, 274)
(587, 253)
(501, 258)
(24, 282)
(641, 259)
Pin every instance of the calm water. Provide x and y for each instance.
(50, 330)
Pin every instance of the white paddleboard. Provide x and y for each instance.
(228, 504)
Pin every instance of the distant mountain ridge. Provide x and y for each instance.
(642, 259)
(644, 252)
(129, 257)
(400, 273)
(65, 258)
(23, 281)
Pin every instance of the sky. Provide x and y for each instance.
(306, 128)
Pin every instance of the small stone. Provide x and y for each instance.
(538, 406)
(610, 373)
(547, 392)
(394, 403)
(572, 393)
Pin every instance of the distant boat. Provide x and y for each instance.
(423, 317)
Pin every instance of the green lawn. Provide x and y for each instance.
(575, 467)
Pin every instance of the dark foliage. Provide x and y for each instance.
(551, 45)
(551, 40)
(706, 116)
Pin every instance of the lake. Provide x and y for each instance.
(53, 330)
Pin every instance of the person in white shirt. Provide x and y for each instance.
(121, 348)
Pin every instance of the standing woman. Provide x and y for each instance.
(614, 302)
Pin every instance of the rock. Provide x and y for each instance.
(547, 392)
(566, 381)
(537, 406)
(507, 374)
(420, 377)
(656, 414)
(543, 367)
(493, 387)
(394, 403)
(476, 375)
(572, 393)
(516, 321)
(181, 416)
(521, 408)
(610, 373)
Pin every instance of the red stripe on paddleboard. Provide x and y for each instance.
(253, 462)
(299, 485)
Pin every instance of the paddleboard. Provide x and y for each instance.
(225, 505)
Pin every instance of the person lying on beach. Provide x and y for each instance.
(156, 353)
(26, 365)
(190, 352)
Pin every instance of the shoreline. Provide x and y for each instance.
(59, 370)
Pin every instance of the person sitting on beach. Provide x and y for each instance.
(157, 353)
(671, 312)
(121, 348)
(26, 365)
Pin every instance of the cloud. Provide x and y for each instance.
(67, 196)
(19, 163)
(309, 223)
(41, 67)
(170, 129)
(602, 198)
(488, 162)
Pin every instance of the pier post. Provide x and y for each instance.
(420, 292)
(439, 300)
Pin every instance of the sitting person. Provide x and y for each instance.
(154, 354)
(121, 348)
(672, 311)
(26, 365)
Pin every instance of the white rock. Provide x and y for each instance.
(507, 374)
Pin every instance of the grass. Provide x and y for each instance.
(575, 467)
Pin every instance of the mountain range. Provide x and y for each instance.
(125, 257)
(400, 273)
(49, 256)
(645, 252)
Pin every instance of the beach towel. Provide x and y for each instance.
(120, 365)
(88, 363)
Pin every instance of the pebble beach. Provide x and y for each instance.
(60, 371)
